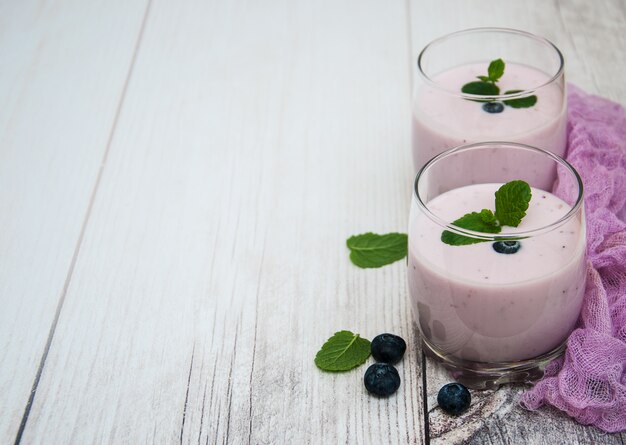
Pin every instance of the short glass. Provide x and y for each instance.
(495, 317)
(445, 117)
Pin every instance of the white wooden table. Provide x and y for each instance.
(177, 182)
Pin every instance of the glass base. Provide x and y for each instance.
(479, 375)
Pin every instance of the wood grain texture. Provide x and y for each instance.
(597, 32)
(62, 73)
(252, 142)
(495, 417)
(588, 39)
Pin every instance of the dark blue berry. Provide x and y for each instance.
(507, 247)
(388, 348)
(493, 107)
(382, 379)
(454, 398)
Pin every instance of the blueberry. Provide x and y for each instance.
(493, 107)
(507, 247)
(388, 348)
(382, 379)
(454, 398)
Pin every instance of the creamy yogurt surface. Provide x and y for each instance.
(477, 304)
(442, 120)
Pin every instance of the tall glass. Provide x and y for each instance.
(499, 310)
(445, 117)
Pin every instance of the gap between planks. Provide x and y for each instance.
(83, 229)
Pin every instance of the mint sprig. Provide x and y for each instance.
(486, 86)
(370, 250)
(342, 352)
(511, 202)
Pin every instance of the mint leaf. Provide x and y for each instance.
(372, 250)
(342, 352)
(485, 222)
(484, 78)
(512, 202)
(481, 89)
(495, 70)
(487, 217)
(523, 102)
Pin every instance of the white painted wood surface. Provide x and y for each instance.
(63, 67)
(177, 181)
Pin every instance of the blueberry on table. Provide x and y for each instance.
(382, 379)
(493, 107)
(507, 247)
(454, 398)
(388, 348)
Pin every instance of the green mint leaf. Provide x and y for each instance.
(485, 222)
(495, 70)
(342, 352)
(488, 218)
(512, 202)
(481, 89)
(523, 102)
(484, 78)
(372, 250)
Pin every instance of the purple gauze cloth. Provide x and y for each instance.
(589, 381)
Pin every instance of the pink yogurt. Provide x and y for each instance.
(442, 119)
(475, 304)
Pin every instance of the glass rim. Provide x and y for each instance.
(518, 95)
(502, 236)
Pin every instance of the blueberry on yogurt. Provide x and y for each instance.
(493, 107)
(507, 247)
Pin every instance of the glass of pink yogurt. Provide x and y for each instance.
(496, 311)
(445, 117)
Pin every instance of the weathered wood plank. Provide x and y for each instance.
(597, 32)
(254, 139)
(62, 72)
(496, 417)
